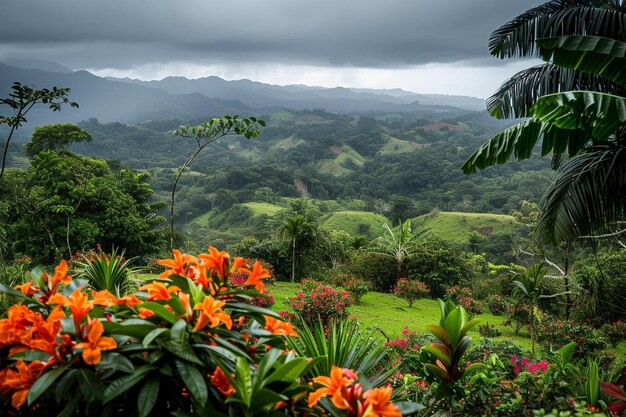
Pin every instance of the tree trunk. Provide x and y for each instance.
(293, 261)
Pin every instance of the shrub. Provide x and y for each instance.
(410, 290)
(489, 330)
(497, 305)
(357, 288)
(525, 365)
(338, 280)
(323, 303)
(380, 270)
(106, 272)
(189, 345)
(504, 349)
(309, 284)
(407, 350)
(13, 274)
(615, 332)
(554, 334)
(463, 297)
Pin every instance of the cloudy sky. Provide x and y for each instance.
(422, 46)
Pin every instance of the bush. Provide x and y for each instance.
(380, 270)
(172, 348)
(489, 330)
(554, 334)
(615, 332)
(463, 297)
(323, 303)
(407, 350)
(504, 349)
(357, 288)
(410, 290)
(309, 284)
(497, 305)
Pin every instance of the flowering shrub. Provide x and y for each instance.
(266, 300)
(615, 332)
(497, 305)
(410, 290)
(357, 288)
(463, 297)
(322, 303)
(525, 365)
(488, 330)
(554, 334)
(407, 350)
(339, 280)
(309, 284)
(188, 343)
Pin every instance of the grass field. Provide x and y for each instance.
(350, 221)
(390, 314)
(396, 146)
(337, 166)
(455, 227)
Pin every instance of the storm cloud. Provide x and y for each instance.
(123, 34)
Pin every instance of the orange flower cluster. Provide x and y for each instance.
(347, 395)
(278, 327)
(19, 381)
(221, 382)
(24, 329)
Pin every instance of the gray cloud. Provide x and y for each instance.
(359, 33)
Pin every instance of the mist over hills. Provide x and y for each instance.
(134, 101)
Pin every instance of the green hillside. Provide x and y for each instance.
(263, 208)
(455, 226)
(341, 165)
(397, 146)
(355, 222)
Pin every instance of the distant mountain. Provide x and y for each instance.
(111, 101)
(298, 97)
(37, 64)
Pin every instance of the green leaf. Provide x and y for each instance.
(177, 333)
(153, 335)
(440, 333)
(183, 351)
(124, 383)
(567, 353)
(438, 372)
(441, 352)
(243, 382)
(468, 326)
(474, 367)
(13, 292)
(148, 396)
(264, 397)
(590, 54)
(288, 371)
(194, 380)
(31, 355)
(43, 383)
(160, 311)
(409, 407)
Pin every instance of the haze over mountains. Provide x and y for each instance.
(133, 101)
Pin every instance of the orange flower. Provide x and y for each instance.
(79, 306)
(103, 298)
(185, 299)
(218, 262)
(377, 403)
(256, 275)
(20, 382)
(92, 349)
(60, 275)
(211, 313)
(334, 386)
(221, 382)
(56, 298)
(128, 300)
(178, 265)
(279, 327)
(145, 313)
(158, 291)
(27, 289)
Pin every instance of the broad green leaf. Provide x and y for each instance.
(474, 367)
(567, 353)
(288, 371)
(265, 397)
(590, 54)
(194, 380)
(43, 383)
(438, 372)
(31, 355)
(13, 292)
(441, 352)
(124, 383)
(153, 335)
(148, 396)
(160, 311)
(183, 351)
(440, 333)
(243, 382)
(468, 326)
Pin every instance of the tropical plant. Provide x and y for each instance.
(617, 391)
(187, 344)
(204, 135)
(294, 228)
(399, 244)
(111, 272)
(528, 289)
(410, 290)
(357, 287)
(447, 354)
(577, 106)
(21, 101)
(344, 344)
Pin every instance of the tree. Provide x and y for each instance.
(576, 102)
(21, 100)
(294, 227)
(398, 245)
(55, 138)
(528, 288)
(205, 134)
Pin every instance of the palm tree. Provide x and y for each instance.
(398, 245)
(528, 289)
(576, 102)
(294, 228)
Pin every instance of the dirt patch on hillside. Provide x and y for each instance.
(301, 187)
(335, 149)
(419, 145)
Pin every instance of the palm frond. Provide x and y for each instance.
(557, 18)
(516, 96)
(587, 197)
(597, 114)
(590, 54)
